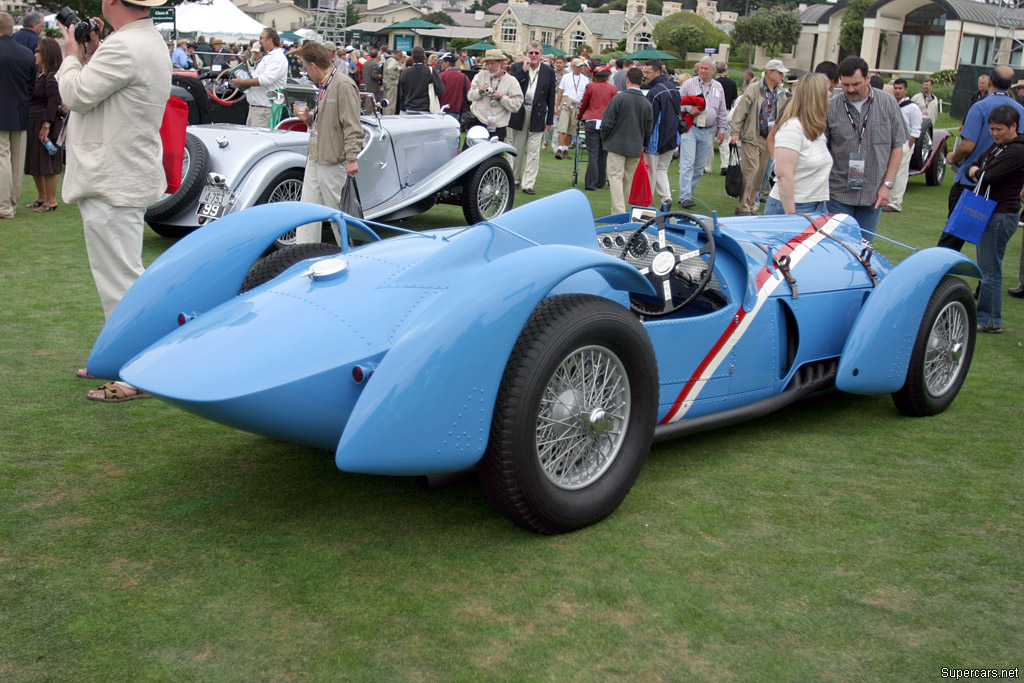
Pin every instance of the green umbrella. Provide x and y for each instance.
(411, 24)
(293, 37)
(552, 50)
(482, 45)
(651, 53)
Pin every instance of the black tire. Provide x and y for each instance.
(283, 259)
(569, 334)
(193, 178)
(937, 171)
(487, 191)
(923, 146)
(285, 187)
(943, 349)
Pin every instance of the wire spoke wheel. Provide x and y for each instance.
(492, 194)
(946, 345)
(582, 418)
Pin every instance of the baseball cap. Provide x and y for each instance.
(776, 65)
(330, 45)
(576, 61)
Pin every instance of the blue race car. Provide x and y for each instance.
(543, 349)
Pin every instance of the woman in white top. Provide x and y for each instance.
(802, 159)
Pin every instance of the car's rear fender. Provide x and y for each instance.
(442, 375)
(201, 271)
(877, 352)
(261, 174)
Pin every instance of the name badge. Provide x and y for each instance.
(855, 178)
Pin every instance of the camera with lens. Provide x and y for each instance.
(489, 91)
(80, 29)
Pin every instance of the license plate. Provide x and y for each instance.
(212, 202)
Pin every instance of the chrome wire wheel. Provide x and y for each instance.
(492, 193)
(947, 343)
(288, 191)
(583, 414)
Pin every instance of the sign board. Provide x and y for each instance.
(710, 50)
(357, 36)
(403, 43)
(161, 14)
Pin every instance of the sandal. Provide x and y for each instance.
(82, 373)
(114, 392)
(43, 208)
(34, 205)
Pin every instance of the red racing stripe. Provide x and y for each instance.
(763, 276)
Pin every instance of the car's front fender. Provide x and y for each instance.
(201, 271)
(448, 174)
(427, 408)
(262, 173)
(877, 352)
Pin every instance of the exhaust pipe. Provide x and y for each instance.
(442, 480)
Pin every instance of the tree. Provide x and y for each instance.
(351, 15)
(684, 32)
(477, 6)
(439, 18)
(772, 29)
(571, 6)
(851, 28)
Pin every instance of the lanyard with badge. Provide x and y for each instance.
(855, 178)
(320, 96)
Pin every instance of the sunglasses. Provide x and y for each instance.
(533, 52)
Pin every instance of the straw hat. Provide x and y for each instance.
(494, 55)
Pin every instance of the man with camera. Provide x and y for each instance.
(117, 91)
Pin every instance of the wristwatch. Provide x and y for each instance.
(888, 184)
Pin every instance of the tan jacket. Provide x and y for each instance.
(510, 102)
(339, 134)
(117, 103)
(744, 119)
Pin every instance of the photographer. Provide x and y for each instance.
(117, 91)
(494, 95)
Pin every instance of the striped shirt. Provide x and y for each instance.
(714, 98)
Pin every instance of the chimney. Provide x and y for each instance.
(478, 15)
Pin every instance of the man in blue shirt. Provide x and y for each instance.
(180, 58)
(976, 138)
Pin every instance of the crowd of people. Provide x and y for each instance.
(847, 152)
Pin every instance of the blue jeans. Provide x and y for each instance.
(990, 259)
(773, 207)
(867, 217)
(693, 155)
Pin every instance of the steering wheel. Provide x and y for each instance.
(231, 93)
(661, 273)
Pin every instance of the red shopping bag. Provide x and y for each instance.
(172, 134)
(640, 192)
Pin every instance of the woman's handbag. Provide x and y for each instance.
(640, 193)
(971, 215)
(734, 173)
(435, 105)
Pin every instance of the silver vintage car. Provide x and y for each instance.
(408, 163)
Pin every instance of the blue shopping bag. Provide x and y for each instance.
(970, 215)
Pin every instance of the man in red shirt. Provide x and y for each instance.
(455, 86)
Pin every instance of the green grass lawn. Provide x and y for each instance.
(833, 540)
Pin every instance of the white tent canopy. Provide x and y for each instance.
(215, 19)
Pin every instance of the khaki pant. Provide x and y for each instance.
(899, 187)
(754, 163)
(12, 170)
(258, 117)
(527, 162)
(321, 185)
(620, 178)
(657, 169)
(113, 242)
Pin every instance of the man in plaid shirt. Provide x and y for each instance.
(866, 134)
